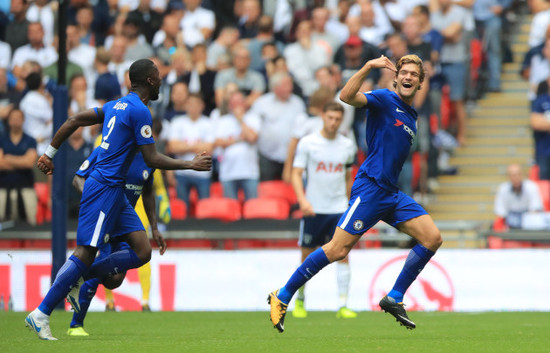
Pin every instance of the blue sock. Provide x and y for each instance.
(415, 262)
(87, 292)
(118, 262)
(309, 268)
(67, 275)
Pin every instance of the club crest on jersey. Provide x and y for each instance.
(85, 165)
(145, 174)
(146, 131)
(358, 224)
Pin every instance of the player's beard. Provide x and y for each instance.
(155, 94)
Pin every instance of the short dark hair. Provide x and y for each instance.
(333, 107)
(423, 9)
(140, 70)
(33, 81)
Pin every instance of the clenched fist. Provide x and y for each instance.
(45, 164)
(202, 162)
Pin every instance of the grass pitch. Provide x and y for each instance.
(244, 332)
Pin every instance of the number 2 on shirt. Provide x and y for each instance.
(110, 126)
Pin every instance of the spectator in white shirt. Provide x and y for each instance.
(278, 111)
(35, 50)
(236, 134)
(41, 11)
(81, 54)
(516, 197)
(189, 135)
(197, 24)
(36, 105)
(302, 52)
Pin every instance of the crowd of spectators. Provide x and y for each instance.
(242, 79)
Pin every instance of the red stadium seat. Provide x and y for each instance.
(216, 189)
(178, 209)
(445, 107)
(224, 209)
(499, 224)
(277, 189)
(544, 188)
(534, 172)
(266, 208)
(43, 212)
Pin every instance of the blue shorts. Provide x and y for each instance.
(369, 203)
(455, 77)
(318, 230)
(104, 210)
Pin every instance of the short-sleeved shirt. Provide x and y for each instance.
(542, 138)
(451, 52)
(239, 160)
(139, 175)
(127, 125)
(252, 81)
(325, 162)
(278, 119)
(184, 129)
(391, 129)
(20, 178)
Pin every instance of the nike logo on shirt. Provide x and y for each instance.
(399, 110)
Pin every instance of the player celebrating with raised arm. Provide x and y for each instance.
(326, 156)
(104, 209)
(374, 196)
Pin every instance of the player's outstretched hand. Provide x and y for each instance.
(159, 239)
(382, 63)
(45, 164)
(202, 162)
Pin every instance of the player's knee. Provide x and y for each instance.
(114, 281)
(434, 241)
(145, 255)
(336, 253)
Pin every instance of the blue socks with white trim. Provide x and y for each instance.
(309, 268)
(118, 262)
(67, 276)
(418, 257)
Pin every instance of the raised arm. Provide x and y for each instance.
(201, 162)
(350, 93)
(84, 118)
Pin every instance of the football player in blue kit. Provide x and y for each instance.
(138, 182)
(391, 127)
(104, 208)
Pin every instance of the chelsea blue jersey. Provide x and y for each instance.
(127, 125)
(391, 128)
(139, 175)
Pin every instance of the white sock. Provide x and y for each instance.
(343, 276)
(39, 315)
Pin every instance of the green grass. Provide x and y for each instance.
(252, 332)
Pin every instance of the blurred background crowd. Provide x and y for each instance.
(246, 79)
